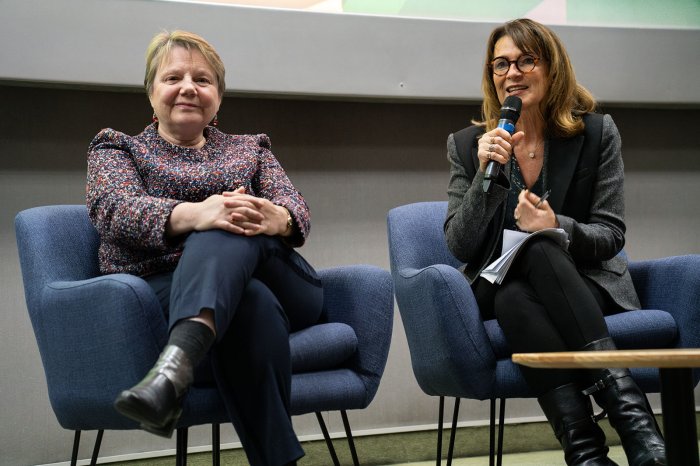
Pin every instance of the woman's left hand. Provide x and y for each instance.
(256, 215)
(530, 218)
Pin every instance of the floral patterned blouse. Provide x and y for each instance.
(134, 182)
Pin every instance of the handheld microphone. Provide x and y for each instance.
(510, 112)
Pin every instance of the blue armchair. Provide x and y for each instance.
(455, 353)
(85, 322)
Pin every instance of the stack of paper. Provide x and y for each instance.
(513, 241)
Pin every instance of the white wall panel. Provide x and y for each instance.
(270, 51)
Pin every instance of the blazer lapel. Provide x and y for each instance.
(474, 150)
(562, 159)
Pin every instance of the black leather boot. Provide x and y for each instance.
(571, 416)
(156, 401)
(628, 411)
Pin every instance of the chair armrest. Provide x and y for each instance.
(672, 284)
(116, 329)
(362, 297)
(450, 351)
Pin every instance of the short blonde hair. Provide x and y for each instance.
(161, 45)
(566, 101)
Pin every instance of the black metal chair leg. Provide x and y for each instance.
(441, 409)
(501, 426)
(215, 444)
(96, 448)
(348, 433)
(453, 432)
(76, 446)
(181, 447)
(326, 436)
(492, 431)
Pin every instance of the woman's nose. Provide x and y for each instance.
(187, 86)
(513, 70)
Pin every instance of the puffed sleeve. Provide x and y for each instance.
(117, 201)
(272, 183)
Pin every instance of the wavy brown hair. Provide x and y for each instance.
(566, 100)
(159, 49)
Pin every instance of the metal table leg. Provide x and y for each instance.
(678, 408)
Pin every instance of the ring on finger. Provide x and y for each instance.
(488, 155)
(491, 147)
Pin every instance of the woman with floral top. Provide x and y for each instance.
(209, 220)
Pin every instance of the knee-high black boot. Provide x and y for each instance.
(628, 410)
(571, 416)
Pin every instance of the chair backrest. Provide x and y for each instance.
(417, 236)
(55, 243)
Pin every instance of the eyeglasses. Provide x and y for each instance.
(524, 64)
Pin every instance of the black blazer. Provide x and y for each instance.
(585, 175)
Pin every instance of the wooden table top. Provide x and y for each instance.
(661, 358)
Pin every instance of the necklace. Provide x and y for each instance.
(534, 151)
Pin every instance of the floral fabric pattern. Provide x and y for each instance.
(134, 182)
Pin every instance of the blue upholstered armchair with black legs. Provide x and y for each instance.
(456, 354)
(98, 334)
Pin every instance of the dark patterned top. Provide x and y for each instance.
(517, 184)
(134, 182)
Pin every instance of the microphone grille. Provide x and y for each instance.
(511, 108)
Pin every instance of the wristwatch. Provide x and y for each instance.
(290, 222)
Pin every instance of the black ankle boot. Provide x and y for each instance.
(571, 416)
(156, 401)
(628, 411)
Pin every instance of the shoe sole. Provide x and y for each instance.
(132, 408)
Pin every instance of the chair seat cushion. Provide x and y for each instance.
(323, 346)
(328, 390)
(639, 329)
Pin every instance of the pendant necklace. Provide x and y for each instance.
(532, 154)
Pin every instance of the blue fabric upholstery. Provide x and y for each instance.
(455, 353)
(339, 341)
(98, 334)
(632, 330)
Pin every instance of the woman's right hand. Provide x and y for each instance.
(496, 145)
(212, 213)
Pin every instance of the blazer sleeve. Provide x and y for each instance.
(602, 235)
(470, 211)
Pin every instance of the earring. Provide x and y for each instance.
(154, 118)
(215, 121)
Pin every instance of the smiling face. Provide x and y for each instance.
(531, 87)
(184, 96)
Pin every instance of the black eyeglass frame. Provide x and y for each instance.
(535, 59)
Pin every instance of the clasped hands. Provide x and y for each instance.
(232, 211)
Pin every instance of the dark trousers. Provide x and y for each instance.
(259, 290)
(544, 305)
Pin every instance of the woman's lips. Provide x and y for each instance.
(512, 89)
